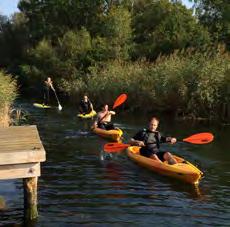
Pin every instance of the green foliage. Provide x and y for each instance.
(13, 41)
(8, 90)
(74, 49)
(162, 27)
(8, 93)
(87, 46)
(51, 19)
(65, 61)
(116, 28)
(187, 82)
(18, 116)
(215, 15)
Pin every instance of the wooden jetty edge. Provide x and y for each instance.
(21, 152)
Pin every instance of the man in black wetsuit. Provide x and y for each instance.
(149, 140)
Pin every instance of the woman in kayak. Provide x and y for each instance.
(149, 140)
(85, 106)
(103, 119)
(48, 84)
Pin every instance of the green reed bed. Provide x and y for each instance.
(188, 83)
(8, 93)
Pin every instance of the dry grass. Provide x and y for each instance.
(4, 117)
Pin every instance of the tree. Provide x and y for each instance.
(13, 40)
(162, 27)
(116, 31)
(215, 15)
(53, 18)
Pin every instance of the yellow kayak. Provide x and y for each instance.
(183, 170)
(43, 106)
(89, 115)
(114, 134)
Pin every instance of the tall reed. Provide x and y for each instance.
(8, 93)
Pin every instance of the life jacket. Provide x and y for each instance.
(152, 139)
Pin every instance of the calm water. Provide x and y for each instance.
(82, 185)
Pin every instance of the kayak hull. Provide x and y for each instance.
(112, 135)
(42, 106)
(87, 116)
(183, 170)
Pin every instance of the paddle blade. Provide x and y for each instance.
(60, 107)
(200, 138)
(120, 99)
(115, 147)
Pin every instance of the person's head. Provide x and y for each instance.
(153, 124)
(49, 79)
(105, 107)
(85, 98)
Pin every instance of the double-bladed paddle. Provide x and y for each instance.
(199, 138)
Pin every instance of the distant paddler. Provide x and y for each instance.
(85, 106)
(47, 86)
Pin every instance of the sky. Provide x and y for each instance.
(8, 7)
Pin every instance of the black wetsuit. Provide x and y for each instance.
(46, 93)
(152, 141)
(106, 125)
(85, 107)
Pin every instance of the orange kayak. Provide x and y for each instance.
(113, 135)
(183, 170)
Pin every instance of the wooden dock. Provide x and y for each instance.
(21, 152)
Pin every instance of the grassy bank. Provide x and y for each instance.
(8, 93)
(187, 83)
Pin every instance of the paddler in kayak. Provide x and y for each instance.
(103, 119)
(47, 85)
(85, 106)
(149, 140)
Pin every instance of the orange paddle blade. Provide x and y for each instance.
(120, 99)
(115, 147)
(200, 138)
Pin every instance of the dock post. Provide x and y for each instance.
(30, 198)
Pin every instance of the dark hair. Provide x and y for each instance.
(103, 105)
(154, 118)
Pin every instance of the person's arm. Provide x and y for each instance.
(91, 106)
(51, 86)
(167, 139)
(137, 140)
(112, 112)
(95, 123)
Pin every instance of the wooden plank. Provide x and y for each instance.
(25, 156)
(20, 144)
(23, 146)
(19, 171)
